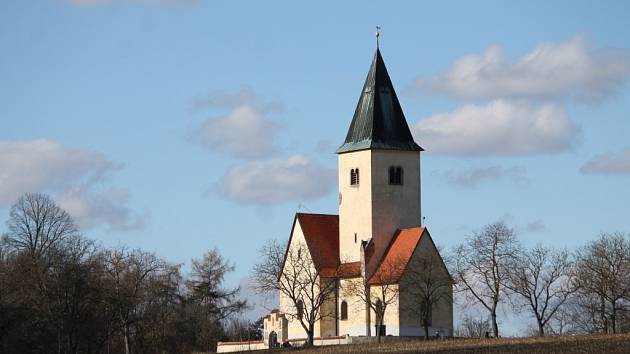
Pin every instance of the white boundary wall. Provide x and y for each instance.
(229, 347)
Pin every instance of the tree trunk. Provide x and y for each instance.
(311, 334)
(495, 326)
(613, 317)
(368, 312)
(541, 329)
(603, 315)
(426, 329)
(126, 335)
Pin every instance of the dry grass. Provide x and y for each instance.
(599, 344)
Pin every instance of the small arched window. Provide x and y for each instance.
(300, 309)
(395, 175)
(344, 310)
(354, 176)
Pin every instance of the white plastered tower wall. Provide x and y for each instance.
(355, 212)
(373, 208)
(394, 206)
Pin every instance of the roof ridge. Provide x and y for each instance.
(298, 213)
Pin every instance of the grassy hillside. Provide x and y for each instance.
(599, 344)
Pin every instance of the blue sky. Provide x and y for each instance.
(178, 126)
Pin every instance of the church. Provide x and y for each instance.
(374, 267)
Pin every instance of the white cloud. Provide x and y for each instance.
(499, 128)
(245, 132)
(569, 68)
(39, 165)
(277, 180)
(92, 208)
(535, 226)
(472, 177)
(73, 176)
(609, 163)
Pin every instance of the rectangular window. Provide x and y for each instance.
(395, 175)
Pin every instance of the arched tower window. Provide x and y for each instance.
(300, 309)
(344, 310)
(354, 176)
(395, 175)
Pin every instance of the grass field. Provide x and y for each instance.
(598, 344)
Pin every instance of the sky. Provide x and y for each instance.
(178, 126)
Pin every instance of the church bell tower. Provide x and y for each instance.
(379, 169)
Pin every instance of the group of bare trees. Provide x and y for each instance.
(61, 292)
(584, 291)
(587, 290)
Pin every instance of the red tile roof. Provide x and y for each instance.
(349, 270)
(321, 232)
(397, 255)
(344, 270)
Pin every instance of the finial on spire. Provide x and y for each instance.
(378, 34)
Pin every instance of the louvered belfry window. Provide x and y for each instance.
(354, 176)
(395, 175)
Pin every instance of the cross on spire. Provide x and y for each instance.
(378, 34)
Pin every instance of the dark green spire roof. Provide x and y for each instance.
(378, 122)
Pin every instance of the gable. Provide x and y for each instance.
(407, 247)
(397, 256)
(426, 251)
(320, 232)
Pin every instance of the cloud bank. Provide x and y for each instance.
(75, 177)
(473, 177)
(277, 180)
(499, 128)
(551, 70)
(245, 132)
(609, 163)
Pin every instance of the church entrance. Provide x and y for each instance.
(273, 339)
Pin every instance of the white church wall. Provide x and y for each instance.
(442, 310)
(295, 329)
(354, 325)
(355, 215)
(391, 320)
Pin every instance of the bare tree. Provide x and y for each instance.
(379, 291)
(129, 273)
(481, 263)
(429, 284)
(294, 275)
(603, 276)
(542, 278)
(473, 327)
(36, 224)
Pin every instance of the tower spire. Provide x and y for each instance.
(378, 121)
